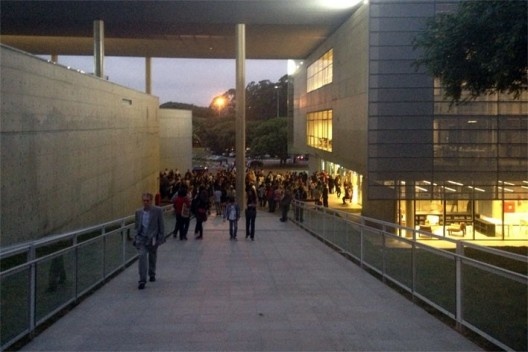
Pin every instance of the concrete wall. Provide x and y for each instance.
(175, 139)
(75, 150)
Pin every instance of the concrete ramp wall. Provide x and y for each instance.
(75, 149)
(175, 139)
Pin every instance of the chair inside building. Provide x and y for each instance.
(455, 229)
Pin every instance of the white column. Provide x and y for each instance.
(148, 75)
(240, 120)
(98, 28)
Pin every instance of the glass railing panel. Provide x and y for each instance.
(489, 298)
(436, 278)
(113, 252)
(90, 264)
(130, 250)
(353, 245)
(373, 248)
(319, 223)
(55, 283)
(313, 220)
(340, 232)
(14, 306)
(398, 260)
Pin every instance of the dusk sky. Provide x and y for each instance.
(192, 81)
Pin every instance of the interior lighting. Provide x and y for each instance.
(421, 189)
(429, 183)
(477, 189)
(525, 182)
(339, 4)
(450, 189)
(472, 121)
(455, 183)
(525, 187)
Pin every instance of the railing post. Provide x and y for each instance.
(413, 267)
(75, 266)
(383, 254)
(361, 240)
(123, 242)
(103, 233)
(458, 286)
(32, 290)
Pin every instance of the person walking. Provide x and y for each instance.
(285, 203)
(251, 211)
(232, 214)
(150, 233)
(300, 195)
(325, 195)
(182, 209)
(200, 208)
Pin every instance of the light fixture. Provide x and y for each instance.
(455, 183)
(293, 66)
(339, 4)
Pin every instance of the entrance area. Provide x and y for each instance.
(470, 220)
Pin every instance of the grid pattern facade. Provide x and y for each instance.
(421, 147)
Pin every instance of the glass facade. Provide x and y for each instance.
(448, 166)
(320, 73)
(456, 170)
(319, 130)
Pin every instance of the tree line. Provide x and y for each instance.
(266, 123)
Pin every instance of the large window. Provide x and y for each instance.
(319, 129)
(320, 72)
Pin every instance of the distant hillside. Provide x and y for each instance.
(197, 111)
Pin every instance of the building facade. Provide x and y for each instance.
(364, 112)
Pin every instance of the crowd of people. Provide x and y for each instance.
(200, 194)
(271, 190)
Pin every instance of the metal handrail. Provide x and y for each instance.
(29, 269)
(352, 222)
(325, 229)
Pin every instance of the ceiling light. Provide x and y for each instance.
(339, 4)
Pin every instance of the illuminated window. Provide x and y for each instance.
(321, 71)
(319, 130)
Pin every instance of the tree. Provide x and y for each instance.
(481, 48)
(262, 100)
(271, 137)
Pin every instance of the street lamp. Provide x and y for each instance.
(277, 90)
(219, 102)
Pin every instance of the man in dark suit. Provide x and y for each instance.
(150, 233)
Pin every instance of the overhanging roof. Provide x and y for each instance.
(275, 29)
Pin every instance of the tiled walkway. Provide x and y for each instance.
(286, 291)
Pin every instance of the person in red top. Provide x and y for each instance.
(182, 209)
